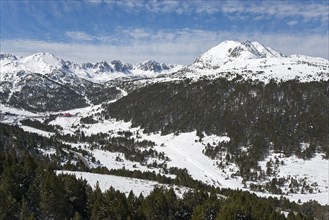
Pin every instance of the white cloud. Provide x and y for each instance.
(279, 9)
(94, 1)
(181, 47)
(292, 23)
(78, 35)
(138, 33)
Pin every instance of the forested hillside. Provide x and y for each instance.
(287, 117)
(31, 189)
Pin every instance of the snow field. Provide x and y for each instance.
(37, 131)
(123, 184)
(185, 151)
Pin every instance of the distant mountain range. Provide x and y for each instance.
(43, 76)
(46, 63)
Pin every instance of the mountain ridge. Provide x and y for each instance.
(230, 59)
(45, 63)
(252, 60)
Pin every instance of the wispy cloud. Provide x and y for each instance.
(292, 23)
(181, 47)
(279, 9)
(265, 9)
(78, 35)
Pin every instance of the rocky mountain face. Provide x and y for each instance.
(151, 65)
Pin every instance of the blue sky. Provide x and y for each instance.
(167, 31)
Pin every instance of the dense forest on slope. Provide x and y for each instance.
(30, 189)
(280, 116)
(15, 140)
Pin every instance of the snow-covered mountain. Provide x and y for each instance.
(255, 61)
(152, 66)
(103, 71)
(13, 69)
(252, 60)
(7, 57)
(48, 64)
(233, 50)
(229, 59)
(43, 81)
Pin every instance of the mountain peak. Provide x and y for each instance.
(151, 65)
(230, 50)
(43, 57)
(43, 54)
(7, 56)
(42, 62)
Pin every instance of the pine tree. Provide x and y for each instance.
(76, 195)
(9, 207)
(53, 204)
(97, 204)
(25, 212)
(155, 205)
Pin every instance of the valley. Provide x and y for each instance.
(243, 118)
(183, 151)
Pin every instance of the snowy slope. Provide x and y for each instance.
(5, 108)
(40, 63)
(18, 72)
(254, 61)
(37, 131)
(46, 64)
(103, 71)
(186, 151)
(251, 60)
(123, 184)
(312, 172)
(233, 50)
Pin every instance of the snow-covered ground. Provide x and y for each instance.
(46, 63)
(254, 61)
(48, 152)
(11, 115)
(313, 172)
(251, 60)
(12, 110)
(16, 112)
(123, 184)
(37, 131)
(185, 151)
(109, 160)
